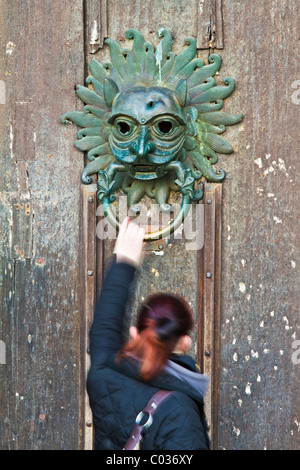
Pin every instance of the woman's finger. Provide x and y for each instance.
(124, 225)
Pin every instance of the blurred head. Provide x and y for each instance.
(163, 325)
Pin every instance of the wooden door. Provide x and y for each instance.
(52, 262)
(195, 272)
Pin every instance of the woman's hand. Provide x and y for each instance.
(129, 244)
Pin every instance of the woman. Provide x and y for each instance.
(123, 378)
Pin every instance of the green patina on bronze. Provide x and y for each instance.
(152, 121)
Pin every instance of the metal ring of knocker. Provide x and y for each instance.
(165, 231)
(185, 181)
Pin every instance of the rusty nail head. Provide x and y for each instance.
(90, 273)
(207, 353)
(89, 424)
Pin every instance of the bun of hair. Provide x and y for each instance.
(166, 328)
(161, 321)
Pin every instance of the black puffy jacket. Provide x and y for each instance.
(117, 394)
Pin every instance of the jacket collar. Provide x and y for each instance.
(176, 377)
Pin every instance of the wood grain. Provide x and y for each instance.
(41, 60)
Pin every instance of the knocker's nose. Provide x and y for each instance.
(142, 145)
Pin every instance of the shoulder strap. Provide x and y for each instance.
(136, 434)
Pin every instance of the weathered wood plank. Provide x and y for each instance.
(150, 15)
(21, 244)
(210, 24)
(208, 355)
(260, 261)
(217, 316)
(26, 125)
(88, 300)
(209, 265)
(201, 19)
(96, 19)
(41, 60)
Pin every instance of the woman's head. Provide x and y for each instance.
(163, 324)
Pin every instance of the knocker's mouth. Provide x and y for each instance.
(146, 172)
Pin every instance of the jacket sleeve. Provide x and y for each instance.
(106, 330)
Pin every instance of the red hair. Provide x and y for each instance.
(161, 321)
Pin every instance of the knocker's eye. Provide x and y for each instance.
(124, 127)
(166, 127)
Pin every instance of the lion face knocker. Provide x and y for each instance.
(151, 124)
(148, 130)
